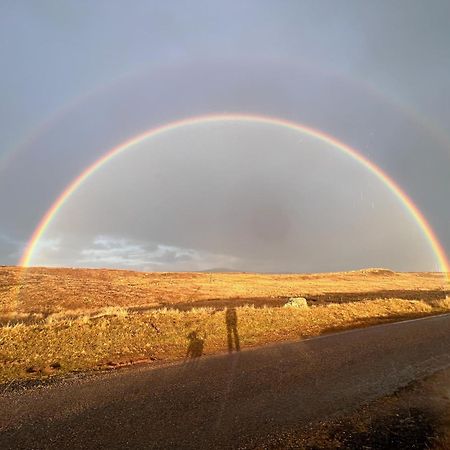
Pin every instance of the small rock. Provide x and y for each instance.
(296, 302)
(33, 369)
(55, 365)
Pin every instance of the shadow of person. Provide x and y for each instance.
(195, 347)
(232, 332)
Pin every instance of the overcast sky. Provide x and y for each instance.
(80, 77)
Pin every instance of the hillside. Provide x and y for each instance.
(49, 290)
(56, 321)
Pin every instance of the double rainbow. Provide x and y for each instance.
(321, 136)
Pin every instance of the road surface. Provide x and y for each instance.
(222, 401)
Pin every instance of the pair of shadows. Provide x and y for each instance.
(196, 343)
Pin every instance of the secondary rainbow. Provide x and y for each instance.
(321, 136)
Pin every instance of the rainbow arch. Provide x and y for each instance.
(321, 136)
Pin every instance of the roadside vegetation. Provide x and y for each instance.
(62, 321)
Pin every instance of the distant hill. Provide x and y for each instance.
(46, 290)
(221, 270)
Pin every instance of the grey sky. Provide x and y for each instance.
(81, 77)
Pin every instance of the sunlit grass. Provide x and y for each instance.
(49, 291)
(116, 337)
(57, 321)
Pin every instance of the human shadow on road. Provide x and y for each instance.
(232, 331)
(195, 347)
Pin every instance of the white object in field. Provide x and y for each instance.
(296, 302)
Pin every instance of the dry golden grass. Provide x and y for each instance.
(162, 335)
(44, 290)
(64, 320)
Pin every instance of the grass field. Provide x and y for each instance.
(56, 321)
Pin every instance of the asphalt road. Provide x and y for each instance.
(222, 401)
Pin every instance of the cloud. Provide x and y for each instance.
(113, 252)
(10, 249)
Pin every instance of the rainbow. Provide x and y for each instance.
(321, 136)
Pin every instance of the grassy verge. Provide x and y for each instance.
(58, 345)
